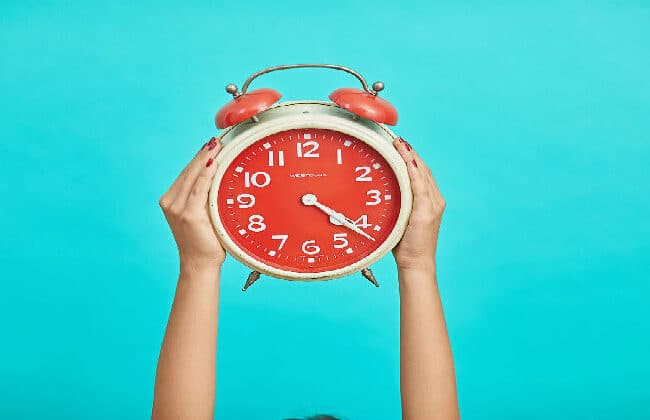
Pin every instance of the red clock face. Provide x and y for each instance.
(309, 200)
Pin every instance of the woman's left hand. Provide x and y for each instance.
(417, 248)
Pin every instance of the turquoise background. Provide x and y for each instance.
(534, 116)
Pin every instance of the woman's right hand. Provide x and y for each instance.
(185, 206)
(417, 248)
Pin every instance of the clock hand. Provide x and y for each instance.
(348, 223)
(335, 217)
(335, 221)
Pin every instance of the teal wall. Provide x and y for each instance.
(534, 116)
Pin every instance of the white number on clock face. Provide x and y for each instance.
(340, 240)
(363, 171)
(272, 158)
(258, 179)
(246, 201)
(310, 247)
(307, 149)
(375, 197)
(281, 238)
(256, 223)
(362, 221)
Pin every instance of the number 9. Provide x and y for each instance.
(246, 201)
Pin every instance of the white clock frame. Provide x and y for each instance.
(319, 115)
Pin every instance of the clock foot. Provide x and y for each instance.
(367, 273)
(252, 278)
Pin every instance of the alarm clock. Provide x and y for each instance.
(309, 190)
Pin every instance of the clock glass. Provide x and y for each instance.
(308, 200)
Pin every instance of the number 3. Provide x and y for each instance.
(376, 197)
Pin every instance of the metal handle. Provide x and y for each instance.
(376, 87)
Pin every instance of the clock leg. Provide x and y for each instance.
(252, 278)
(367, 273)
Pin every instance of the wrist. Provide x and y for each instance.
(416, 276)
(193, 266)
(426, 265)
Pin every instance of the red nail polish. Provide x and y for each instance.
(405, 143)
(212, 146)
(415, 163)
(213, 140)
(209, 162)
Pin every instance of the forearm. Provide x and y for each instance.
(185, 378)
(428, 382)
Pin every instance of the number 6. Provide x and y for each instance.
(310, 247)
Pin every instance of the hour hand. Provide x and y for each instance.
(336, 218)
(349, 223)
(335, 221)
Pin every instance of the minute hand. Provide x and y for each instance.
(341, 218)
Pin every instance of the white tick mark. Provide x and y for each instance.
(377, 228)
(230, 201)
(376, 166)
(242, 231)
(239, 169)
(387, 197)
(310, 260)
(272, 253)
(307, 136)
(347, 143)
(349, 251)
(267, 145)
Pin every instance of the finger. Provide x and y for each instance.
(171, 193)
(193, 170)
(418, 179)
(198, 197)
(433, 185)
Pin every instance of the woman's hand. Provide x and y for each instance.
(417, 249)
(427, 377)
(186, 378)
(185, 206)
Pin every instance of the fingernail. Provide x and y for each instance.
(405, 143)
(415, 163)
(209, 143)
(209, 162)
(212, 146)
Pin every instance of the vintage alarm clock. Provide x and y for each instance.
(309, 190)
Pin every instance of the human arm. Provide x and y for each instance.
(427, 378)
(185, 377)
